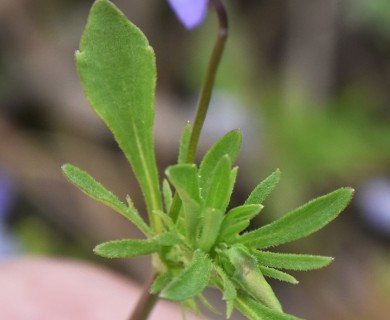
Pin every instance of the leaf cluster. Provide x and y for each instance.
(197, 242)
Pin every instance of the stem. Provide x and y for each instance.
(146, 302)
(205, 94)
(208, 83)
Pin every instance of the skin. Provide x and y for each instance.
(59, 289)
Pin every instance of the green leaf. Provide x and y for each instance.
(191, 281)
(117, 69)
(167, 195)
(219, 194)
(211, 222)
(129, 248)
(97, 191)
(249, 277)
(289, 261)
(184, 177)
(301, 222)
(161, 281)
(228, 289)
(184, 142)
(229, 145)
(264, 188)
(278, 275)
(257, 311)
(237, 220)
(166, 220)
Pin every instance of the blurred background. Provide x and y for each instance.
(307, 81)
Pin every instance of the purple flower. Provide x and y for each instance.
(190, 12)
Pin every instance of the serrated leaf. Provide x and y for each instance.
(300, 222)
(250, 279)
(257, 311)
(184, 177)
(300, 262)
(191, 281)
(128, 248)
(117, 69)
(184, 142)
(229, 144)
(278, 275)
(263, 189)
(167, 195)
(219, 193)
(237, 220)
(211, 223)
(97, 191)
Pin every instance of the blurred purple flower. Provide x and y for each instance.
(8, 245)
(191, 13)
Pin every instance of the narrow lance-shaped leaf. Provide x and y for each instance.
(278, 275)
(301, 222)
(228, 289)
(97, 191)
(237, 220)
(128, 248)
(219, 193)
(184, 178)
(300, 262)
(257, 311)
(229, 144)
(167, 195)
(211, 222)
(191, 281)
(117, 69)
(184, 143)
(263, 189)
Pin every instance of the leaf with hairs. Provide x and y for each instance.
(300, 222)
(264, 188)
(97, 191)
(289, 261)
(117, 70)
(191, 281)
(229, 145)
(128, 248)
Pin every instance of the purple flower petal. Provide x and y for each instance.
(190, 12)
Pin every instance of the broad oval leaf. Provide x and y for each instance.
(300, 262)
(300, 222)
(191, 281)
(117, 69)
(97, 191)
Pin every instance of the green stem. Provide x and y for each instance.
(146, 302)
(205, 94)
(208, 82)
